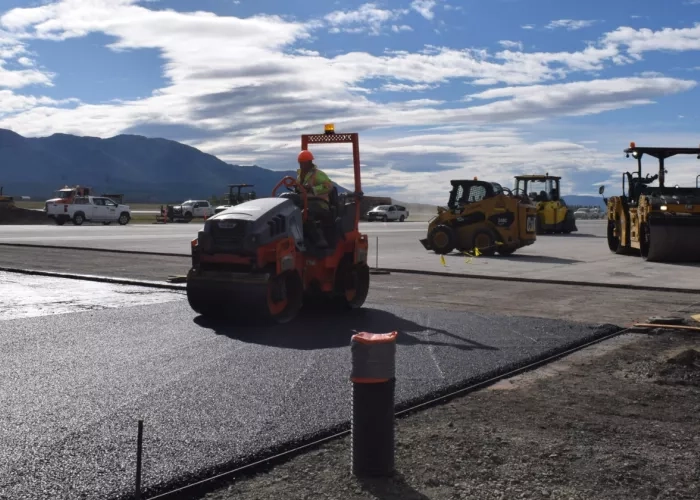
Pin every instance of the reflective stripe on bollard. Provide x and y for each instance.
(373, 380)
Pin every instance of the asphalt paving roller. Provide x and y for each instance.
(260, 259)
(661, 222)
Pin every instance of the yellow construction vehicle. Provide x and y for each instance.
(6, 201)
(553, 216)
(662, 223)
(482, 215)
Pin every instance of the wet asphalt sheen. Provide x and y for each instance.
(74, 385)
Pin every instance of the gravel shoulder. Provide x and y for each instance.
(615, 421)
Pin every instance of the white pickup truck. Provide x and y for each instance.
(386, 213)
(190, 209)
(89, 209)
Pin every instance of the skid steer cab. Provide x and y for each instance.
(553, 216)
(482, 215)
(658, 222)
(256, 260)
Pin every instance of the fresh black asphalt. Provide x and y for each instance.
(74, 386)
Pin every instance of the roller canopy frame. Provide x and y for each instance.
(342, 138)
(660, 153)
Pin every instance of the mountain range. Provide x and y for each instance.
(145, 170)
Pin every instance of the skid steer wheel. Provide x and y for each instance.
(485, 241)
(442, 239)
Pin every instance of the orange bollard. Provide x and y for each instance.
(373, 380)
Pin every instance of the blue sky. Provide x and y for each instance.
(438, 89)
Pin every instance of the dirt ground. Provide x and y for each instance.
(618, 420)
(12, 215)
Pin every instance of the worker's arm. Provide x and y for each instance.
(323, 183)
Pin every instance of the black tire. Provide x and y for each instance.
(506, 251)
(78, 219)
(188, 217)
(442, 239)
(59, 221)
(644, 241)
(124, 218)
(385, 218)
(351, 283)
(402, 218)
(106, 223)
(485, 240)
(614, 243)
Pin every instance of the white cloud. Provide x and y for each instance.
(424, 8)
(368, 17)
(570, 24)
(13, 103)
(403, 27)
(645, 40)
(402, 87)
(528, 26)
(244, 89)
(509, 44)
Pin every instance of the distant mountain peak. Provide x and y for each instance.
(144, 169)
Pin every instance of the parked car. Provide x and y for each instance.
(387, 213)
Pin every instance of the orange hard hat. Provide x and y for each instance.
(305, 156)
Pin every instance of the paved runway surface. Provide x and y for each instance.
(579, 257)
(75, 384)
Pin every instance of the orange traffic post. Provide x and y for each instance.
(373, 381)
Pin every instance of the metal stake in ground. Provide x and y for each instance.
(373, 380)
(139, 449)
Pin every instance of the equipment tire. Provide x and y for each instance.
(614, 243)
(293, 300)
(506, 251)
(402, 218)
(78, 219)
(486, 236)
(447, 237)
(645, 242)
(351, 283)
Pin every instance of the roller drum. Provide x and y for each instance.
(256, 297)
(672, 240)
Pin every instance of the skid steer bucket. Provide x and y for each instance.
(672, 239)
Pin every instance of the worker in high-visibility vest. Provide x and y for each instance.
(317, 185)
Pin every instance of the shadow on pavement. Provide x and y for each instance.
(314, 330)
(394, 488)
(572, 235)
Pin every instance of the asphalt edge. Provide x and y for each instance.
(263, 460)
(98, 279)
(390, 270)
(587, 284)
(89, 249)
